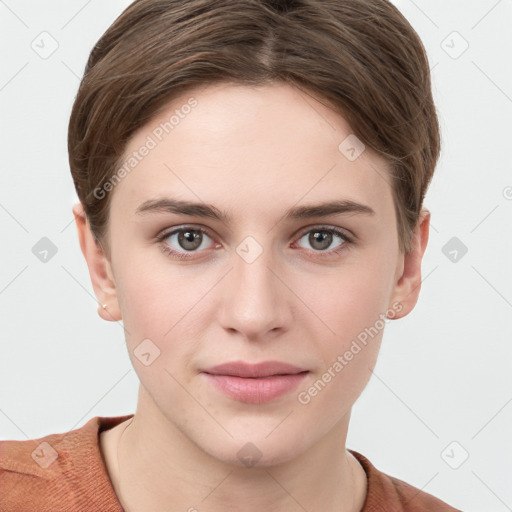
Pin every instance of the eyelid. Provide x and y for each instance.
(169, 231)
(327, 227)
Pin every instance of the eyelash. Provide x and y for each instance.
(167, 250)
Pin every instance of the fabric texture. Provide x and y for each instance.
(66, 472)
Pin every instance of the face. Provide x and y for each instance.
(261, 277)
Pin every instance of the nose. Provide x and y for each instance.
(256, 302)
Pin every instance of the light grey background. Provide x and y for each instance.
(443, 375)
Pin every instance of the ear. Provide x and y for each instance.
(100, 270)
(408, 278)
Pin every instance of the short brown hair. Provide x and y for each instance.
(360, 57)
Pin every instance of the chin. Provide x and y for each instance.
(256, 451)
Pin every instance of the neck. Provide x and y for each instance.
(159, 468)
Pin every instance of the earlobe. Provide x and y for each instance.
(408, 284)
(99, 268)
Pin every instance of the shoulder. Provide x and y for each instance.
(386, 493)
(54, 472)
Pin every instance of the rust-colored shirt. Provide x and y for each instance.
(66, 473)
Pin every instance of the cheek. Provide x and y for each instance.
(350, 300)
(356, 313)
(167, 304)
(351, 320)
(151, 293)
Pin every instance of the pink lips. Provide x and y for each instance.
(255, 383)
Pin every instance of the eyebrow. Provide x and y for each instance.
(169, 205)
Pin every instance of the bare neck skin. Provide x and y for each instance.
(163, 470)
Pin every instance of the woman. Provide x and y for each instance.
(251, 177)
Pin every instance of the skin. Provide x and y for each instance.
(253, 152)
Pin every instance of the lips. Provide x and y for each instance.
(249, 370)
(255, 383)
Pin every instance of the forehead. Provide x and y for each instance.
(248, 148)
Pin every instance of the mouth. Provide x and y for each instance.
(255, 383)
(258, 370)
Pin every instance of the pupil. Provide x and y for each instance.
(322, 237)
(189, 239)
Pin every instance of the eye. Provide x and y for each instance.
(183, 242)
(321, 238)
(178, 242)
